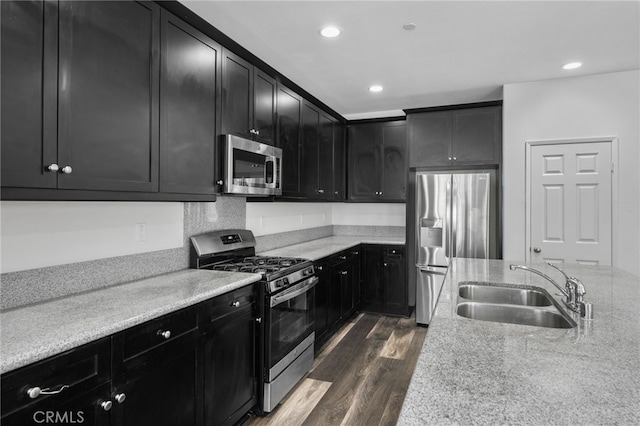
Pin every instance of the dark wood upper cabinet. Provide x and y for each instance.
(453, 138)
(289, 130)
(378, 161)
(29, 93)
(318, 154)
(309, 159)
(248, 99)
(108, 95)
(339, 162)
(189, 99)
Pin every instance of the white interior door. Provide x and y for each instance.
(571, 203)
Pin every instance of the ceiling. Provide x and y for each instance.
(460, 51)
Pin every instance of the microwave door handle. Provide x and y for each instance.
(304, 287)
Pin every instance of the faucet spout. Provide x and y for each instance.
(545, 276)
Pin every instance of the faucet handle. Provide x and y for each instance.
(567, 277)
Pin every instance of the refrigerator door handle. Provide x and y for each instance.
(448, 228)
(430, 270)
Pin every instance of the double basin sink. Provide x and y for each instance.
(513, 304)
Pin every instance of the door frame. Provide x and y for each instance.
(613, 140)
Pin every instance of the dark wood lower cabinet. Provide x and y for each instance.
(337, 293)
(193, 367)
(163, 390)
(229, 362)
(384, 280)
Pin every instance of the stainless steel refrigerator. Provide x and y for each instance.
(453, 214)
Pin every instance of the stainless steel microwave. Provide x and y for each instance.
(250, 168)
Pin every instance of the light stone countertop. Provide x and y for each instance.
(473, 372)
(35, 332)
(323, 247)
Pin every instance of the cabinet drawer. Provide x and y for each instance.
(227, 303)
(157, 332)
(59, 378)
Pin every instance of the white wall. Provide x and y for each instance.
(41, 234)
(574, 108)
(387, 214)
(272, 218)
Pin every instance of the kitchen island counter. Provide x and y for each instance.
(35, 332)
(323, 247)
(479, 372)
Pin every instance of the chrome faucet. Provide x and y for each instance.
(573, 290)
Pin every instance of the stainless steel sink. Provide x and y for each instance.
(512, 304)
(514, 314)
(529, 296)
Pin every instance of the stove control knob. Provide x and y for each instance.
(285, 281)
(279, 283)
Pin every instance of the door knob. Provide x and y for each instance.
(537, 249)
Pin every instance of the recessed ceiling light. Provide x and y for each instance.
(409, 26)
(330, 32)
(572, 66)
(375, 88)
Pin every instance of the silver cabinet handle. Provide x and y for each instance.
(320, 268)
(36, 391)
(454, 158)
(220, 182)
(355, 253)
(106, 405)
(166, 334)
(53, 168)
(537, 249)
(235, 304)
(67, 170)
(320, 191)
(258, 320)
(343, 257)
(337, 193)
(120, 397)
(344, 272)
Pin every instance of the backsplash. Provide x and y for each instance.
(36, 285)
(41, 284)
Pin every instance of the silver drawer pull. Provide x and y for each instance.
(166, 334)
(235, 304)
(35, 391)
(106, 405)
(120, 397)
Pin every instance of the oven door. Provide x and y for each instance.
(290, 320)
(251, 168)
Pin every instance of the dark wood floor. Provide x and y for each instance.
(360, 377)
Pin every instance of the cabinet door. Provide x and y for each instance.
(394, 159)
(264, 107)
(29, 93)
(335, 296)
(189, 87)
(395, 280)
(289, 116)
(108, 95)
(339, 162)
(364, 162)
(230, 367)
(237, 95)
(322, 299)
(477, 136)
(430, 136)
(347, 275)
(326, 157)
(163, 389)
(309, 151)
(371, 273)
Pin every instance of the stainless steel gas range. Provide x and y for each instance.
(286, 310)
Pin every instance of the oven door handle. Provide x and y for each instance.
(294, 291)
